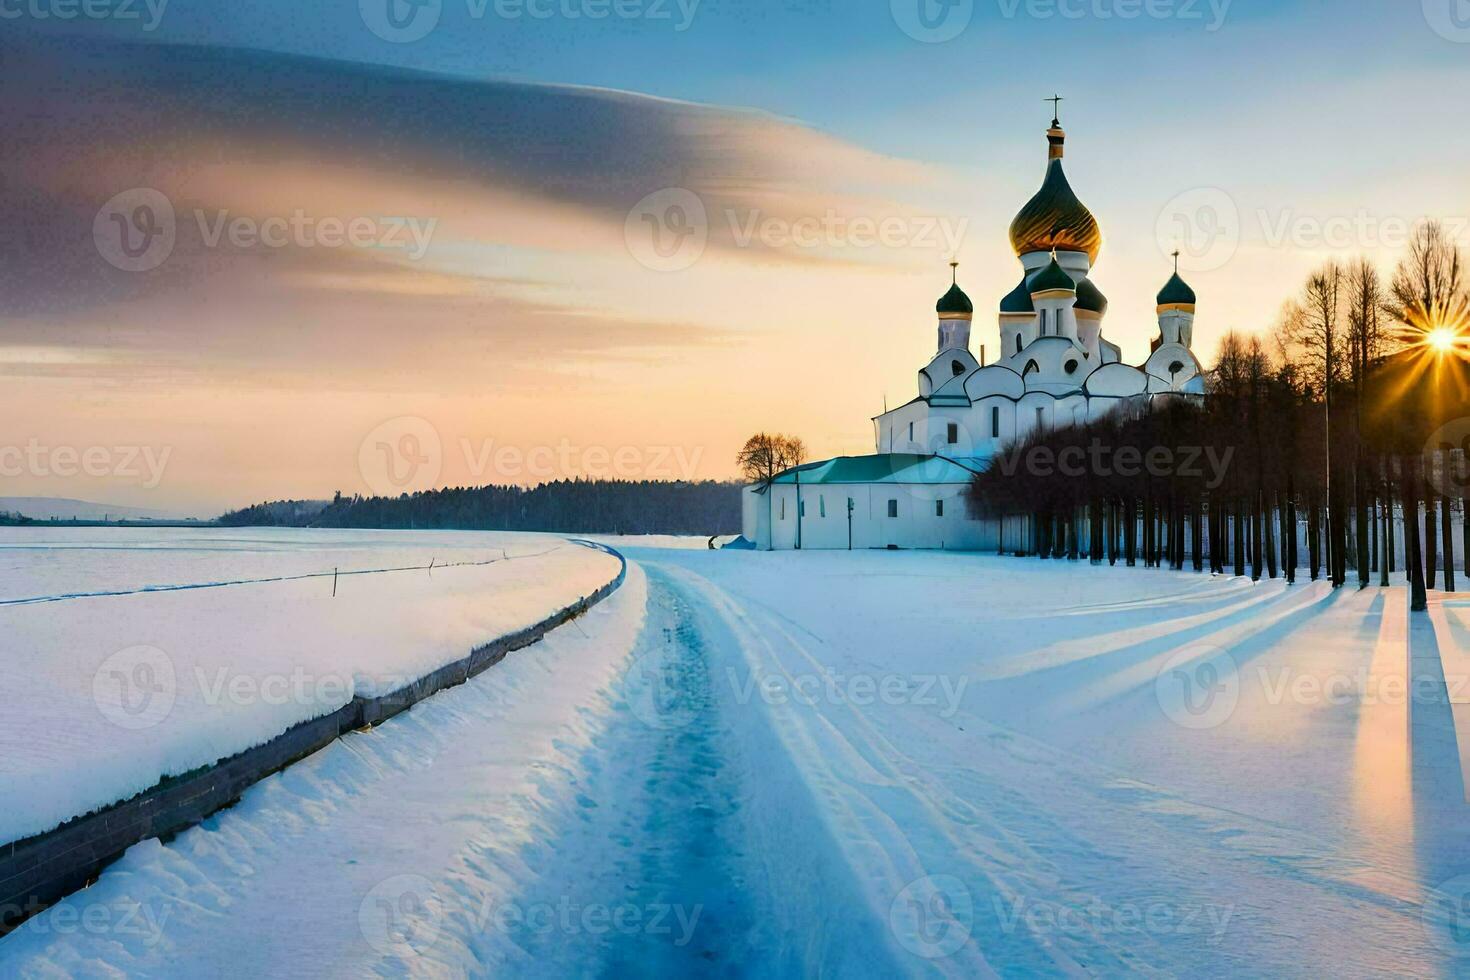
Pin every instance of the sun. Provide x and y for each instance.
(1442, 339)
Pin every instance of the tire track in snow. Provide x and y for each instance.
(1009, 824)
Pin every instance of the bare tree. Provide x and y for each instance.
(1312, 328)
(1429, 288)
(1367, 346)
(766, 455)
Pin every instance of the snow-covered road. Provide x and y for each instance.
(860, 764)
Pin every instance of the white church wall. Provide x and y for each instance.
(754, 525)
(1116, 381)
(993, 424)
(995, 380)
(1100, 407)
(1165, 357)
(1013, 326)
(925, 517)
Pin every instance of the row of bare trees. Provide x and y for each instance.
(1356, 409)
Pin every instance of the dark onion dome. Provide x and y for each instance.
(1052, 277)
(955, 305)
(1090, 298)
(1054, 219)
(1018, 300)
(1176, 292)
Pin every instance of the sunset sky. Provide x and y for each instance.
(498, 302)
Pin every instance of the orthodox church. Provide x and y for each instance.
(1053, 368)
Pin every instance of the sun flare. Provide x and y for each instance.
(1441, 339)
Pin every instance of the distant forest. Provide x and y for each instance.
(567, 506)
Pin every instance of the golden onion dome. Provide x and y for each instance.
(1054, 219)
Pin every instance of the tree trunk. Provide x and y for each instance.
(1391, 546)
(1314, 537)
(1270, 546)
(1431, 543)
(1377, 521)
(1115, 509)
(1257, 541)
(1409, 481)
(1385, 534)
(1447, 543)
(1239, 538)
(1446, 524)
(1291, 555)
(1148, 531)
(1130, 532)
(1337, 526)
(1360, 512)
(1197, 535)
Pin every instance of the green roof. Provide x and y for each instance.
(1089, 297)
(955, 301)
(896, 468)
(1018, 300)
(1052, 277)
(1176, 290)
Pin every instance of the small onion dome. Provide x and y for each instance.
(1053, 277)
(955, 305)
(1055, 219)
(1176, 294)
(1090, 299)
(1018, 300)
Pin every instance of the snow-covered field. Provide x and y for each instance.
(107, 693)
(863, 764)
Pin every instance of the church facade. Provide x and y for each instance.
(1053, 368)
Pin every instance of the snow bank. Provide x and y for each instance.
(106, 695)
(391, 852)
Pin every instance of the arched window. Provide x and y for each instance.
(1018, 343)
(1031, 367)
(958, 367)
(1176, 367)
(1043, 323)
